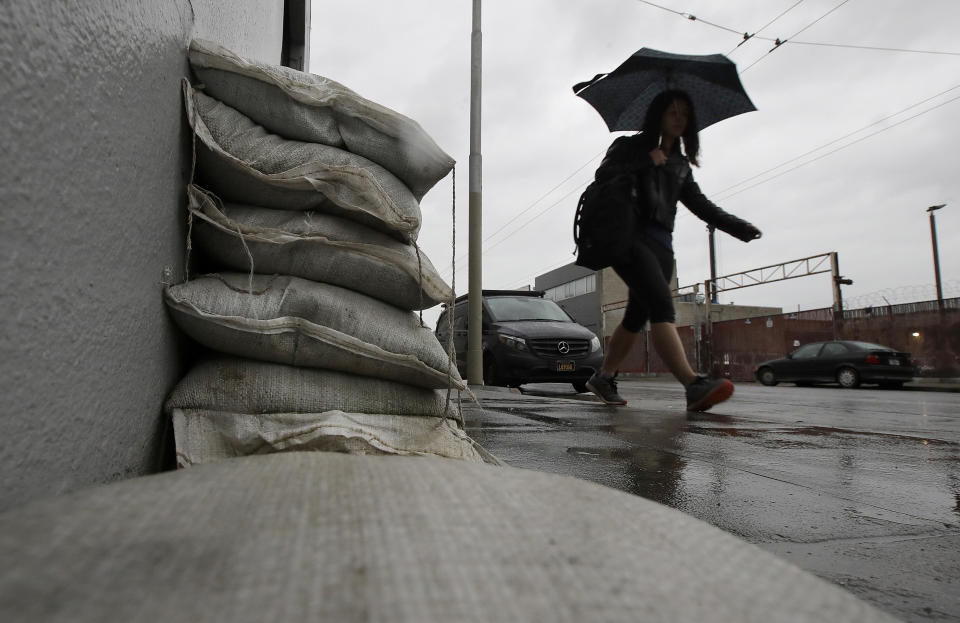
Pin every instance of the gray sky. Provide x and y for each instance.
(831, 161)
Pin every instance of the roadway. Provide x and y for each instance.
(860, 487)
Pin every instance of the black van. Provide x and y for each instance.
(526, 339)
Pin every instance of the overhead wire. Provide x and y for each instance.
(836, 140)
(690, 16)
(545, 195)
(872, 47)
(533, 275)
(576, 188)
(779, 42)
(820, 157)
(747, 36)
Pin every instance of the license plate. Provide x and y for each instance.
(566, 366)
(894, 362)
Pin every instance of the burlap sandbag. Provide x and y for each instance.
(205, 436)
(315, 246)
(241, 161)
(305, 323)
(236, 385)
(317, 536)
(307, 107)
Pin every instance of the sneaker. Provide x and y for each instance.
(605, 388)
(704, 393)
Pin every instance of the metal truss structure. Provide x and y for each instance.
(792, 269)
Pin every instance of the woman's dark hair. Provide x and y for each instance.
(651, 123)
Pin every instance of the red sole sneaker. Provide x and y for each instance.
(719, 394)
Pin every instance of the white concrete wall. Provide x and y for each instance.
(93, 164)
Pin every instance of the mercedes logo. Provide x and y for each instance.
(563, 347)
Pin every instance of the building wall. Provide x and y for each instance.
(689, 314)
(92, 175)
(585, 309)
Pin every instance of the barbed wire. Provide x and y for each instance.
(903, 294)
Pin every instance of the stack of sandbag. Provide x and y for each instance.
(307, 204)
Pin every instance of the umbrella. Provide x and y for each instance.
(623, 95)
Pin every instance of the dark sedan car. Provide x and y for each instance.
(848, 363)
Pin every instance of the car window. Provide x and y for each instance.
(509, 308)
(833, 349)
(869, 346)
(807, 352)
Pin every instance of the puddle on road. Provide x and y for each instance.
(651, 473)
(812, 431)
(709, 417)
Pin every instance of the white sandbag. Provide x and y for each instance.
(318, 536)
(307, 107)
(305, 323)
(315, 246)
(241, 161)
(205, 436)
(237, 385)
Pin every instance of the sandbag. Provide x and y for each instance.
(304, 323)
(307, 107)
(241, 161)
(319, 536)
(204, 436)
(315, 246)
(235, 385)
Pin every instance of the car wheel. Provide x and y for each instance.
(580, 387)
(767, 377)
(848, 377)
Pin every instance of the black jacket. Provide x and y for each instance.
(659, 188)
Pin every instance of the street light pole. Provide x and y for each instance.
(475, 260)
(936, 254)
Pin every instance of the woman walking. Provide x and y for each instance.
(660, 156)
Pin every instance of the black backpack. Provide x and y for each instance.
(605, 222)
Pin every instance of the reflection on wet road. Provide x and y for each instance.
(861, 487)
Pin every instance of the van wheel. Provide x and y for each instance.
(490, 374)
(580, 387)
(848, 378)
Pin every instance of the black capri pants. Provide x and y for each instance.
(647, 275)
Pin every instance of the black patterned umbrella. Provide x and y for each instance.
(623, 95)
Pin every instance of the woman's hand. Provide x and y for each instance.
(658, 157)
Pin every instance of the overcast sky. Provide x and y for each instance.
(847, 149)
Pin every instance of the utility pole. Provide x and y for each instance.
(475, 261)
(936, 255)
(838, 280)
(712, 292)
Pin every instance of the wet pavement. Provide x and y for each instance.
(860, 487)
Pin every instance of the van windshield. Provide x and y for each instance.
(510, 308)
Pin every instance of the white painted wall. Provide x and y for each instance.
(94, 157)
